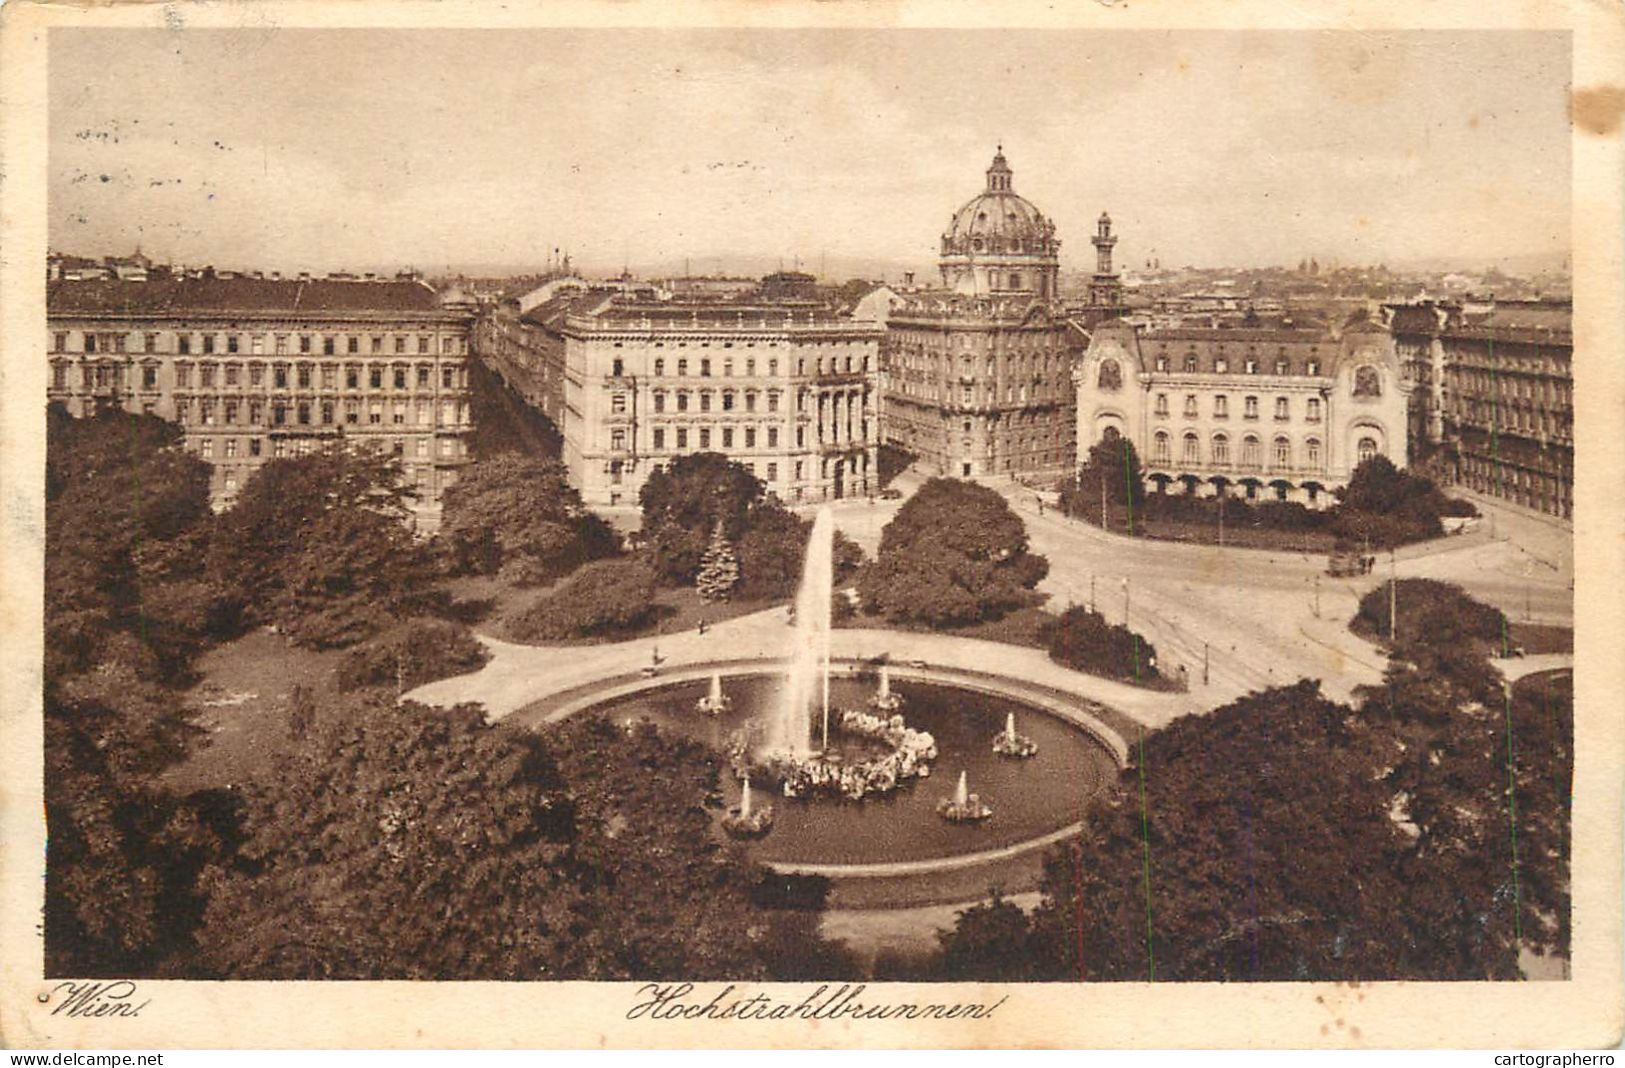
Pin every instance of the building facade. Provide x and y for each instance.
(1265, 414)
(1496, 395)
(789, 390)
(977, 374)
(255, 369)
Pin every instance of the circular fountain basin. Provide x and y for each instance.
(1033, 800)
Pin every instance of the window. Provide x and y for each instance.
(208, 344)
(1250, 408)
(750, 368)
(773, 401)
(772, 437)
(232, 372)
(377, 346)
(705, 437)
(1283, 367)
(750, 402)
(423, 345)
(304, 376)
(400, 344)
(1190, 406)
(1221, 366)
(304, 413)
(682, 368)
(1221, 407)
(617, 440)
(375, 377)
(801, 437)
(1110, 379)
(448, 376)
(207, 447)
(727, 400)
(254, 446)
(1366, 449)
(149, 343)
(327, 345)
(232, 343)
(1367, 383)
(1252, 367)
(1160, 452)
(59, 342)
(682, 401)
(1312, 368)
(1281, 412)
(423, 376)
(352, 412)
(352, 345)
(1221, 449)
(304, 345)
(256, 413)
(1162, 404)
(1311, 452)
(1250, 456)
(1162, 363)
(149, 376)
(327, 413)
(617, 403)
(660, 402)
(231, 447)
(231, 413)
(1313, 413)
(183, 375)
(727, 437)
(184, 343)
(773, 367)
(205, 375)
(279, 414)
(682, 437)
(400, 378)
(617, 368)
(750, 437)
(279, 376)
(1283, 453)
(705, 367)
(772, 472)
(660, 437)
(1190, 362)
(660, 367)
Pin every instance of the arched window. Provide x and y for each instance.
(1283, 452)
(1111, 376)
(1250, 453)
(1110, 435)
(1366, 382)
(1193, 449)
(1221, 449)
(1311, 452)
(1160, 451)
(1366, 449)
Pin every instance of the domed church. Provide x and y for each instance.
(1000, 244)
(976, 375)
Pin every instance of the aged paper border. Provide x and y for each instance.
(1584, 1012)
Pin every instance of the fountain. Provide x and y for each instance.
(747, 821)
(964, 806)
(884, 699)
(714, 703)
(790, 732)
(1010, 744)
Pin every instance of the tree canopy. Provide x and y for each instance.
(685, 502)
(954, 553)
(1115, 462)
(604, 597)
(519, 515)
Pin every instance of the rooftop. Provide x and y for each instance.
(176, 296)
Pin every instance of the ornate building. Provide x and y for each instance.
(1277, 413)
(258, 368)
(1494, 398)
(787, 389)
(977, 375)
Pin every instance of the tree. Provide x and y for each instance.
(719, 570)
(1114, 461)
(989, 943)
(954, 553)
(1387, 507)
(771, 552)
(606, 597)
(318, 545)
(1084, 641)
(411, 654)
(683, 503)
(520, 515)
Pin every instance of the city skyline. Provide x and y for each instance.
(484, 148)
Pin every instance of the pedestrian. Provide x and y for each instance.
(702, 624)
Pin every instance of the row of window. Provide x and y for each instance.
(726, 436)
(1252, 451)
(1249, 407)
(254, 344)
(703, 367)
(1221, 365)
(280, 376)
(207, 411)
(230, 448)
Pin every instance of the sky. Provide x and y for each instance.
(369, 150)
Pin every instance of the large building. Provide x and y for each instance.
(1494, 398)
(787, 389)
(256, 368)
(1278, 414)
(977, 374)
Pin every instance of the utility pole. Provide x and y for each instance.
(1103, 525)
(1204, 663)
(1091, 593)
(1125, 600)
(1317, 595)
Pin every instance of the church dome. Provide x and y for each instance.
(998, 220)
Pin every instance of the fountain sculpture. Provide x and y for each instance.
(964, 806)
(747, 821)
(1008, 743)
(716, 702)
(884, 699)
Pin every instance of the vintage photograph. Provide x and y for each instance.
(848, 505)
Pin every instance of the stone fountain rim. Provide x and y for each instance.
(958, 678)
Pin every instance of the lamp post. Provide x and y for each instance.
(1393, 597)
(1125, 600)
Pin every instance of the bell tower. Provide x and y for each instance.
(1105, 288)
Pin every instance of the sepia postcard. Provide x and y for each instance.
(895, 525)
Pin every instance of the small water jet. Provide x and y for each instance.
(1010, 744)
(964, 806)
(716, 702)
(747, 821)
(885, 699)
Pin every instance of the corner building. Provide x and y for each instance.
(254, 369)
(977, 374)
(786, 389)
(1271, 414)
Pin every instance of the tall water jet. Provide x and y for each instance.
(807, 683)
(962, 791)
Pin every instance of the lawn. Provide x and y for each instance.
(676, 610)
